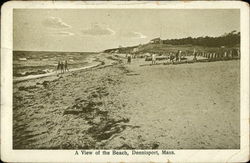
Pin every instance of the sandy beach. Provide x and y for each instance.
(127, 106)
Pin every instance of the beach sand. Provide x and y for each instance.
(121, 106)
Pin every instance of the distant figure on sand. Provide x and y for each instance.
(171, 57)
(177, 56)
(195, 54)
(153, 59)
(62, 67)
(129, 58)
(58, 66)
(66, 66)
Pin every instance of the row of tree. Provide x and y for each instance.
(228, 39)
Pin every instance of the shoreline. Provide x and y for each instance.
(29, 77)
(97, 61)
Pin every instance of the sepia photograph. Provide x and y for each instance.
(126, 79)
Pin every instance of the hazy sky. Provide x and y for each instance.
(96, 30)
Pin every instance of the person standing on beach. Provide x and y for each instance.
(177, 55)
(58, 66)
(66, 66)
(195, 54)
(153, 59)
(62, 67)
(129, 58)
(171, 58)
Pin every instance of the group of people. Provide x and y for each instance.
(129, 58)
(176, 57)
(173, 57)
(62, 66)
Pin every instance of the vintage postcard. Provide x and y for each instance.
(125, 81)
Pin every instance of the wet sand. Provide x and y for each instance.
(121, 106)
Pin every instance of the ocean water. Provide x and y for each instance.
(27, 63)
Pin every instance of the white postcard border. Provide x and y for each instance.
(10, 155)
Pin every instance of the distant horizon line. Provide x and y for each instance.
(58, 51)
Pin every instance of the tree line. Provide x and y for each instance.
(228, 39)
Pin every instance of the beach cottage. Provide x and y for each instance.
(156, 41)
